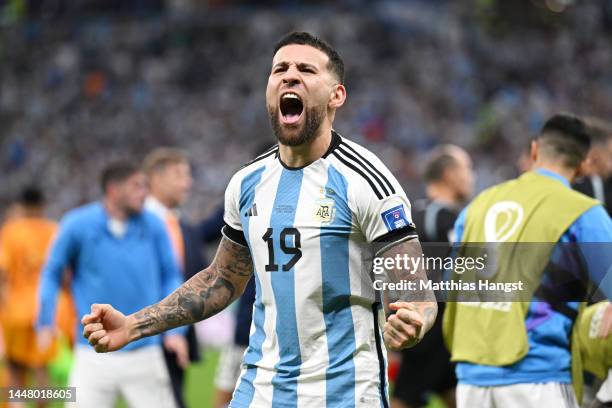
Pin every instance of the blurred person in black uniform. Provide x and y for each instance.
(426, 368)
(597, 181)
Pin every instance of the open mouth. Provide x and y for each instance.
(291, 108)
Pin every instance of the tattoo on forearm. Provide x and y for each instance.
(423, 299)
(205, 294)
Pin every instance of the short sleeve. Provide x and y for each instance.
(387, 217)
(384, 217)
(232, 229)
(231, 213)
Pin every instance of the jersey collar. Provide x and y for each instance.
(335, 142)
(552, 174)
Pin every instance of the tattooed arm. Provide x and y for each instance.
(414, 311)
(205, 294)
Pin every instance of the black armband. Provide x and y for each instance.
(234, 235)
(389, 239)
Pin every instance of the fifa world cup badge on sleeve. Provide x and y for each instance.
(395, 218)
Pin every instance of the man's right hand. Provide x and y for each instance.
(105, 328)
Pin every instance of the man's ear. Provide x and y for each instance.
(338, 97)
(111, 190)
(448, 175)
(534, 151)
(152, 179)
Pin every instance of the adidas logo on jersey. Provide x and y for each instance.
(252, 212)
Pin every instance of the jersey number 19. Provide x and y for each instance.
(289, 250)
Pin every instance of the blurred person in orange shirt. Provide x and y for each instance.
(24, 242)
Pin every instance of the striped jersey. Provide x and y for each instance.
(316, 335)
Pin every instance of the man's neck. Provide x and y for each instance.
(563, 171)
(442, 193)
(303, 155)
(33, 212)
(161, 201)
(114, 211)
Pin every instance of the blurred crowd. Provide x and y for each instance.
(78, 91)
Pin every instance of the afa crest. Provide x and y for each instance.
(324, 210)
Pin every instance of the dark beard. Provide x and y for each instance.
(313, 119)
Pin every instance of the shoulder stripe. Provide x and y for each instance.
(268, 153)
(358, 171)
(269, 149)
(368, 163)
(363, 167)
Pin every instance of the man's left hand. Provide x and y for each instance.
(403, 329)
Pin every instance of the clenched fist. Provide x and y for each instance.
(403, 329)
(105, 328)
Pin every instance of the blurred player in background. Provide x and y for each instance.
(308, 216)
(169, 178)
(496, 365)
(24, 242)
(597, 181)
(120, 254)
(449, 179)
(426, 368)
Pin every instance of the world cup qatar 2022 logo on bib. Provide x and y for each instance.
(502, 221)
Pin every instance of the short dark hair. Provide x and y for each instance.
(31, 196)
(116, 172)
(161, 157)
(565, 137)
(336, 65)
(440, 159)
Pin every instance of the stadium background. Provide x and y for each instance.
(85, 81)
